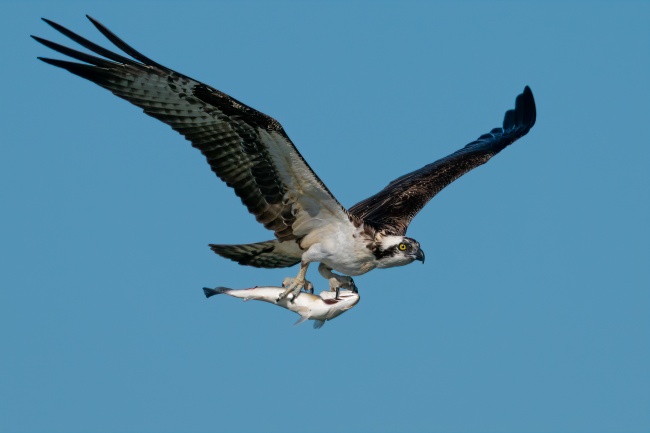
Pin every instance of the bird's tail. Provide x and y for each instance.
(268, 254)
(216, 291)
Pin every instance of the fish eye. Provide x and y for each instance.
(402, 247)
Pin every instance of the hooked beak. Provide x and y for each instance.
(420, 256)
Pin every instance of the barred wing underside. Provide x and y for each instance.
(245, 148)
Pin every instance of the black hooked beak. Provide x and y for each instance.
(420, 256)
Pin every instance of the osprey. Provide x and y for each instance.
(252, 153)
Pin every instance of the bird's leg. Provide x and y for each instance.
(337, 281)
(294, 285)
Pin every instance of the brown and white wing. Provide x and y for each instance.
(393, 208)
(245, 148)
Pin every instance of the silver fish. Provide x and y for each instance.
(326, 306)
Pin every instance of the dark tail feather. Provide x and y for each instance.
(268, 254)
(216, 291)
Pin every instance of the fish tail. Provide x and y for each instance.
(216, 291)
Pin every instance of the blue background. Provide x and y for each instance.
(531, 314)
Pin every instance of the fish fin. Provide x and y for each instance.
(302, 319)
(318, 324)
(216, 291)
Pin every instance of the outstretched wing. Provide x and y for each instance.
(245, 148)
(393, 208)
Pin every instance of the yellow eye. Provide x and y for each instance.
(402, 247)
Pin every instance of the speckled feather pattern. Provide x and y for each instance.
(268, 254)
(252, 154)
(245, 148)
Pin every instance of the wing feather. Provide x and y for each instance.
(268, 254)
(245, 148)
(392, 209)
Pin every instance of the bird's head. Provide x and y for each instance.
(397, 251)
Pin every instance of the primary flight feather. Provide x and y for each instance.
(252, 153)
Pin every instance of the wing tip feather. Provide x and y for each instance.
(119, 43)
(524, 114)
(49, 22)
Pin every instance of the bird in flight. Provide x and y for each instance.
(252, 153)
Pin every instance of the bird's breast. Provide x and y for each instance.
(349, 253)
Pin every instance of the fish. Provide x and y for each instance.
(321, 308)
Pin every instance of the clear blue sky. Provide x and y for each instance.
(531, 314)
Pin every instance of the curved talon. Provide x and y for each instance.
(293, 287)
(339, 281)
(353, 286)
(286, 293)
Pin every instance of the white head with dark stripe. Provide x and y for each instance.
(393, 251)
